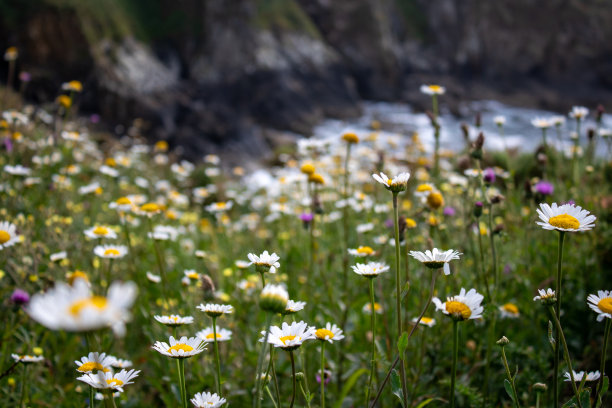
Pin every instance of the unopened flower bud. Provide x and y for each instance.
(503, 341)
(477, 209)
(540, 387)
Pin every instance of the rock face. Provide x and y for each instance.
(233, 71)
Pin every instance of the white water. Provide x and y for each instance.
(519, 132)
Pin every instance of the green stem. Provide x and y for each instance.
(182, 382)
(382, 386)
(398, 300)
(509, 375)
(271, 397)
(566, 355)
(217, 360)
(603, 360)
(454, 366)
(92, 397)
(23, 398)
(558, 313)
(109, 400)
(322, 374)
(160, 262)
(436, 169)
(373, 325)
(493, 253)
(258, 389)
(537, 400)
(293, 376)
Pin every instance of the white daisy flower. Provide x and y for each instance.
(592, 376)
(219, 206)
(371, 269)
(207, 400)
(89, 188)
(214, 310)
(182, 348)
(153, 278)
(174, 320)
(17, 170)
(95, 361)
(509, 310)
(109, 171)
(294, 306)
(289, 337)
(565, 217)
(425, 321)
(499, 120)
(110, 251)
(578, 112)
(541, 123)
(101, 231)
(432, 89)
(361, 251)
(466, 305)
(207, 335)
(110, 381)
(436, 258)
(601, 303)
(123, 204)
(74, 308)
(367, 308)
(120, 363)
(58, 256)
(329, 333)
(546, 296)
(8, 234)
(364, 227)
(395, 184)
(164, 233)
(267, 262)
(27, 359)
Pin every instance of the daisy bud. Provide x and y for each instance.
(273, 299)
(299, 376)
(465, 129)
(208, 286)
(540, 387)
(503, 341)
(476, 152)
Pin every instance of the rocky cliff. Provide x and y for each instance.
(220, 74)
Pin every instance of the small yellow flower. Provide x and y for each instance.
(435, 200)
(307, 168)
(64, 100)
(161, 146)
(350, 137)
(316, 178)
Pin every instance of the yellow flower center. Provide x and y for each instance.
(111, 251)
(114, 382)
(77, 275)
(365, 250)
(284, 339)
(212, 336)
(220, 206)
(350, 138)
(435, 200)
(435, 88)
(91, 366)
(564, 221)
(4, 236)
(307, 169)
(454, 307)
(193, 275)
(426, 320)
(423, 187)
(100, 231)
(123, 201)
(98, 302)
(605, 305)
(324, 334)
(179, 346)
(150, 207)
(511, 308)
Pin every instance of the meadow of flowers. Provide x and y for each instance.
(367, 270)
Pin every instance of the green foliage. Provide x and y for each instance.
(284, 15)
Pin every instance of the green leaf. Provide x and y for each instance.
(551, 339)
(427, 401)
(585, 397)
(402, 343)
(396, 386)
(350, 383)
(604, 388)
(405, 290)
(508, 388)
